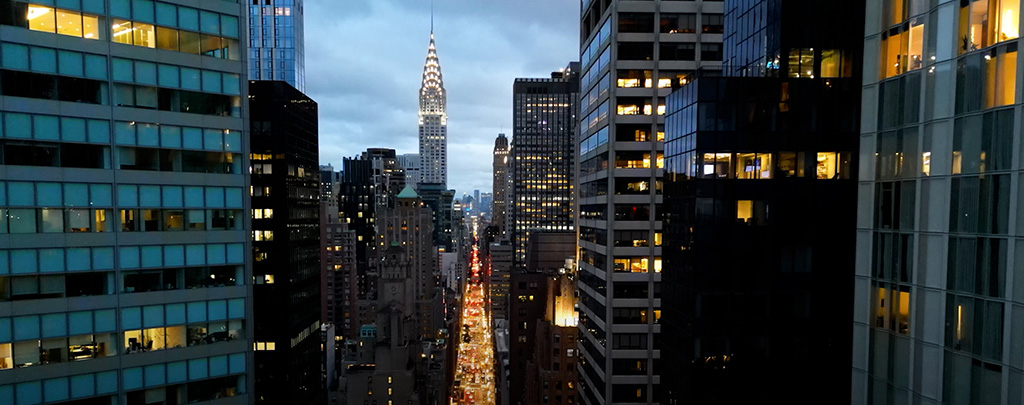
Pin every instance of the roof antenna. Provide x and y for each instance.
(431, 17)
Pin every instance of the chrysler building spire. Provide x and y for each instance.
(433, 119)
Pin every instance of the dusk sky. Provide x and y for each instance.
(364, 62)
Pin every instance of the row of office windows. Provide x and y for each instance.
(52, 154)
(82, 284)
(753, 165)
(52, 87)
(71, 220)
(671, 23)
(190, 381)
(39, 59)
(216, 34)
(32, 261)
(50, 194)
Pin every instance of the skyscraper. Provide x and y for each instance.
(433, 119)
(276, 42)
(542, 164)
(124, 244)
(411, 163)
(621, 144)
(286, 243)
(500, 184)
(938, 271)
(760, 213)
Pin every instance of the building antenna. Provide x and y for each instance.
(431, 17)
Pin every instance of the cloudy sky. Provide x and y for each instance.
(364, 62)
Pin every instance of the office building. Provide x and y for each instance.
(938, 271)
(433, 117)
(500, 185)
(441, 201)
(541, 307)
(277, 42)
(330, 187)
(410, 162)
(542, 163)
(388, 176)
(759, 218)
(655, 44)
(123, 234)
(286, 243)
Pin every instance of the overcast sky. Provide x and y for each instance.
(364, 62)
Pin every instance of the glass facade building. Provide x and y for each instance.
(631, 52)
(277, 41)
(760, 208)
(542, 160)
(124, 244)
(285, 182)
(939, 302)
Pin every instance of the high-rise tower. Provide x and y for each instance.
(631, 53)
(500, 185)
(940, 262)
(125, 270)
(542, 167)
(433, 121)
(276, 50)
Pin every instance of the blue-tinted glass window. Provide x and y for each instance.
(196, 312)
(124, 133)
(29, 393)
(175, 314)
(154, 375)
(122, 69)
(99, 131)
(78, 259)
(120, 8)
(235, 253)
(194, 196)
(192, 138)
(14, 56)
(129, 256)
(131, 318)
(153, 316)
(174, 255)
(83, 385)
(56, 389)
(197, 369)
(106, 382)
(211, 81)
(188, 18)
(72, 129)
(132, 378)
(43, 60)
(102, 258)
(54, 325)
(166, 14)
(104, 320)
(172, 196)
(76, 194)
(71, 63)
(218, 365)
(23, 261)
(51, 260)
(142, 10)
(48, 194)
(93, 6)
(195, 255)
(45, 127)
(95, 66)
(149, 196)
(127, 195)
(99, 195)
(177, 372)
(168, 75)
(170, 136)
(209, 22)
(152, 256)
(18, 125)
(80, 323)
(26, 327)
(145, 72)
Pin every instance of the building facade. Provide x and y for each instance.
(124, 243)
(433, 117)
(760, 210)
(631, 53)
(500, 185)
(411, 163)
(277, 42)
(286, 243)
(938, 316)
(542, 163)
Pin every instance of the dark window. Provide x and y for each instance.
(678, 23)
(638, 50)
(678, 51)
(636, 22)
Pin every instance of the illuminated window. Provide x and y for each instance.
(753, 166)
(986, 22)
(832, 165)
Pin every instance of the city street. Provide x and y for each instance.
(474, 372)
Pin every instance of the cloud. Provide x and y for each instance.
(364, 61)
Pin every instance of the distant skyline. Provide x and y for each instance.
(364, 64)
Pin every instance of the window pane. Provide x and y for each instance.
(143, 35)
(121, 32)
(44, 59)
(41, 18)
(167, 38)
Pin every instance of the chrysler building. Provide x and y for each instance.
(433, 121)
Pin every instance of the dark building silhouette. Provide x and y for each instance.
(286, 244)
(539, 310)
(760, 210)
